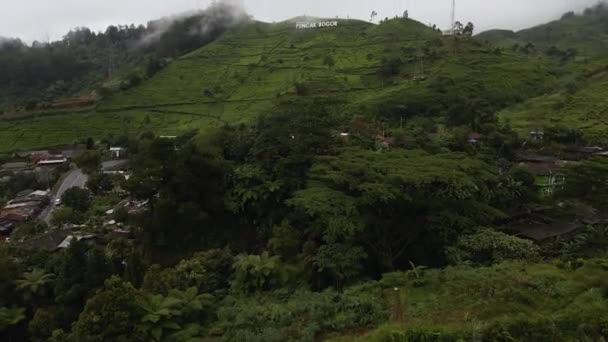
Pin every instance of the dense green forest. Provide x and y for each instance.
(294, 187)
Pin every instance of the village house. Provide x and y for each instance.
(587, 150)
(24, 207)
(537, 135)
(6, 228)
(475, 138)
(118, 152)
(548, 171)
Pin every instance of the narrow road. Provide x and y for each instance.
(74, 179)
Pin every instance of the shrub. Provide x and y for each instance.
(488, 246)
(301, 316)
(390, 67)
(256, 272)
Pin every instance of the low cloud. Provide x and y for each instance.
(219, 15)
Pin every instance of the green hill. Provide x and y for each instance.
(252, 68)
(583, 106)
(586, 33)
(579, 45)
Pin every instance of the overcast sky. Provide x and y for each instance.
(44, 19)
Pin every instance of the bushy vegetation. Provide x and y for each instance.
(33, 77)
(350, 195)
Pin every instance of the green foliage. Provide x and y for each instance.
(110, 315)
(167, 318)
(342, 262)
(301, 316)
(304, 206)
(34, 284)
(44, 72)
(390, 67)
(329, 61)
(89, 161)
(10, 316)
(9, 271)
(44, 322)
(366, 195)
(190, 184)
(207, 271)
(78, 272)
(29, 229)
(172, 98)
(99, 183)
(592, 241)
(121, 215)
(77, 199)
(66, 215)
(256, 272)
(505, 302)
(589, 182)
(488, 246)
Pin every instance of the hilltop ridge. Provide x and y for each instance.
(397, 70)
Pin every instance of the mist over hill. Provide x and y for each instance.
(35, 75)
(210, 177)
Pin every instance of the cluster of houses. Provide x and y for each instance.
(33, 161)
(24, 207)
(110, 229)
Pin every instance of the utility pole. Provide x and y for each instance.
(111, 61)
(422, 64)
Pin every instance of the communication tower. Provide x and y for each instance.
(450, 31)
(453, 16)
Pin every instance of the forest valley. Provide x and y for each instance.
(419, 219)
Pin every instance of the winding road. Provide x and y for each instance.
(74, 179)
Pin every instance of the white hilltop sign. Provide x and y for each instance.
(302, 25)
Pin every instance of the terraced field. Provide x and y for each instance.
(585, 109)
(251, 69)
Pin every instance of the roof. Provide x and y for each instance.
(536, 158)
(47, 241)
(589, 149)
(52, 162)
(39, 193)
(475, 136)
(72, 153)
(7, 224)
(70, 238)
(542, 169)
(15, 166)
(16, 216)
(24, 193)
(67, 242)
(543, 231)
(32, 153)
(22, 205)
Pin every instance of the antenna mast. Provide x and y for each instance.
(453, 17)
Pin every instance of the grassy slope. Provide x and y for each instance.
(586, 109)
(258, 65)
(587, 34)
(250, 69)
(464, 301)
